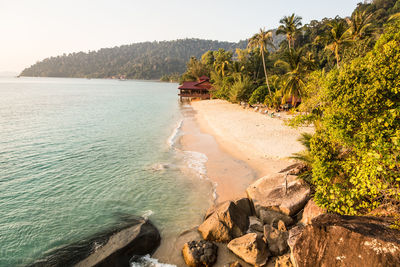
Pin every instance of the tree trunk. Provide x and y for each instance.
(265, 71)
(288, 39)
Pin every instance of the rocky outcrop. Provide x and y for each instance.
(334, 240)
(225, 222)
(271, 193)
(251, 248)
(311, 211)
(272, 217)
(245, 205)
(140, 239)
(255, 225)
(276, 240)
(200, 253)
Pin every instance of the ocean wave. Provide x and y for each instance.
(197, 162)
(147, 261)
(175, 133)
(147, 214)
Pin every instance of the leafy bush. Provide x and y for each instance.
(258, 96)
(356, 150)
(241, 90)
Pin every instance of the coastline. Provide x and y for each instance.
(212, 128)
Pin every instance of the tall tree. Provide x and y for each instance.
(337, 37)
(359, 24)
(262, 40)
(289, 27)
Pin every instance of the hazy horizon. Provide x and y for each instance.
(38, 30)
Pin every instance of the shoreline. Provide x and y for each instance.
(231, 165)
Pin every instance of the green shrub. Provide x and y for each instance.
(258, 96)
(356, 150)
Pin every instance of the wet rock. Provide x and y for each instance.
(311, 211)
(200, 253)
(140, 239)
(251, 248)
(276, 240)
(226, 221)
(272, 217)
(334, 240)
(271, 193)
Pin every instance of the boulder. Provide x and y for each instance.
(235, 264)
(311, 210)
(226, 222)
(283, 261)
(334, 240)
(276, 240)
(251, 248)
(294, 169)
(255, 225)
(272, 217)
(200, 253)
(138, 240)
(245, 205)
(271, 193)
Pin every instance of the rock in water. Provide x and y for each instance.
(276, 240)
(334, 240)
(200, 253)
(140, 239)
(225, 222)
(251, 248)
(269, 193)
(311, 210)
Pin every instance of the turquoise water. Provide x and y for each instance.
(76, 154)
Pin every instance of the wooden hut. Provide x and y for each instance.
(200, 89)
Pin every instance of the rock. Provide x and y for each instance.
(226, 222)
(294, 233)
(283, 261)
(281, 226)
(270, 193)
(235, 264)
(272, 217)
(255, 225)
(200, 253)
(334, 240)
(251, 248)
(141, 239)
(276, 240)
(245, 205)
(311, 210)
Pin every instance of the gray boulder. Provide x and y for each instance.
(273, 193)
(251, 248)
(200, 253)
(272, 217)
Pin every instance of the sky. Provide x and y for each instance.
(32, 30)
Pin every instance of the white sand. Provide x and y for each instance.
(251, 136)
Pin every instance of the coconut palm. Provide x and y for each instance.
(359, 24)
(336, 38)
(262, 40)
(294, 80)
(289, 27)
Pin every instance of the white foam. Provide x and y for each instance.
(197, 162)
(147, 214)
(175, 133)
(147, 261)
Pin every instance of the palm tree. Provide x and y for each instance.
(294, 80)
(290, 25)
(263, 39)
(359, 24)
(336, 38)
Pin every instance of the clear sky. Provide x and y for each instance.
(32, 30)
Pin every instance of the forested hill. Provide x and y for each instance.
(147, 60)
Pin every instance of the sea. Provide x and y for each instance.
(79, 155)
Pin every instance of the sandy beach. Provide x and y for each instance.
(264, 143)
(241, 146)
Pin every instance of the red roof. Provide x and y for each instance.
(204, 78)
(201, 85)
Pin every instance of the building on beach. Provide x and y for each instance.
(196, 90)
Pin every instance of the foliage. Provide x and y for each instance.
(258, 96)
(356, 150)
(241, 90)
(148, 60)
(290, 26)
